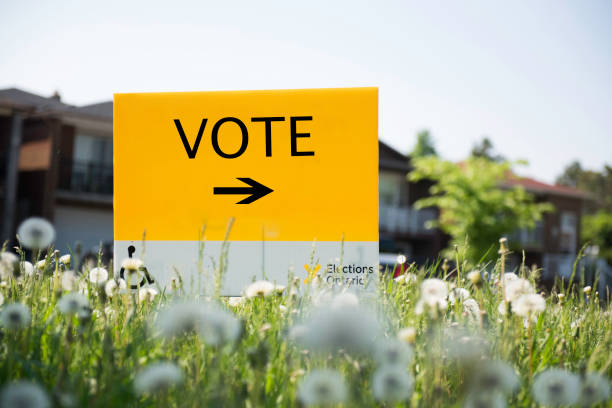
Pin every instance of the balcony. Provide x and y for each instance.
(405, 220)
(86, 177)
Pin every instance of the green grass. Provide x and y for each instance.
(94, 362)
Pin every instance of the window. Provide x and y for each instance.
(568, 232)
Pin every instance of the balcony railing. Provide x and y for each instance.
(86, 177)
(405, 220)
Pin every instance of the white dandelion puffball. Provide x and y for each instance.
(556, 387)
(24, 394)
(157, 377)
(235, 301)
(219, 327)
(15, 316)
(98, 276)
(260, 288)
(517, 288)
(65, 260)
(345, 300)
(494, 375)
(595, 389)
(72, 303)
(9, 262)
(407, 335)
(132, 265)
(68, 281)
(485, 399)
(430, 304)
(28, 268)
(332, 329)
(322, 387)
(529, 305)
(458, 294)
(214, 325)
(36, 233)
(179, 319)
(393, 352)
(502, 308)
(472, 309)
(114, 287)
(147, 294)
(392, 383)
(433, 289)
(406, 278)
(510, 277)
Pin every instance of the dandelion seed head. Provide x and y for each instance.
(587, 290)
(68, 281)
(72, 303)
(529, 305)
(433, 289)
(407, 335)
(431, 305)
(471, 307)
(334, 329)
(322, 387)
(9, 262)
(556, 387)
(494, 375)
(406, 278)
(214, 325)
(98, 276)
(392, 383)
(24, 394)
(28, 268)
(345, 300)
(393, 352)
(36, 233)
(15, 316)
(147, 294)
(260, 288)
(458, 294)
(516, 288)
(595, 388)
(157, 377)
(114, 287)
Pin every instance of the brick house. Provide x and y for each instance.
(57, 163)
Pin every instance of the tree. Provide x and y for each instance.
(486, 150)
(598, 184)
(597, 230)
(473, 204)
(424, 145)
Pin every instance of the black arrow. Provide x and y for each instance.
(256, 190)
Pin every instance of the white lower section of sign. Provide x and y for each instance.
(353, 263)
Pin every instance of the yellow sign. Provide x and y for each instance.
(286, 165)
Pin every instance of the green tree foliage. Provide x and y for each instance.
(597, 230)
(424, 145)
(486, 150)
(598, 184)
(473, 203)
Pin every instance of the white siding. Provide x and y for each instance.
(85, 225)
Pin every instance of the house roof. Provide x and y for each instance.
(539, 187)
(20, 99)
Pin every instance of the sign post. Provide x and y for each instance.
(287, 168)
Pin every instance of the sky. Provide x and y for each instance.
(535, 77)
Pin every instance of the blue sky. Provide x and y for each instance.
(536, 77)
